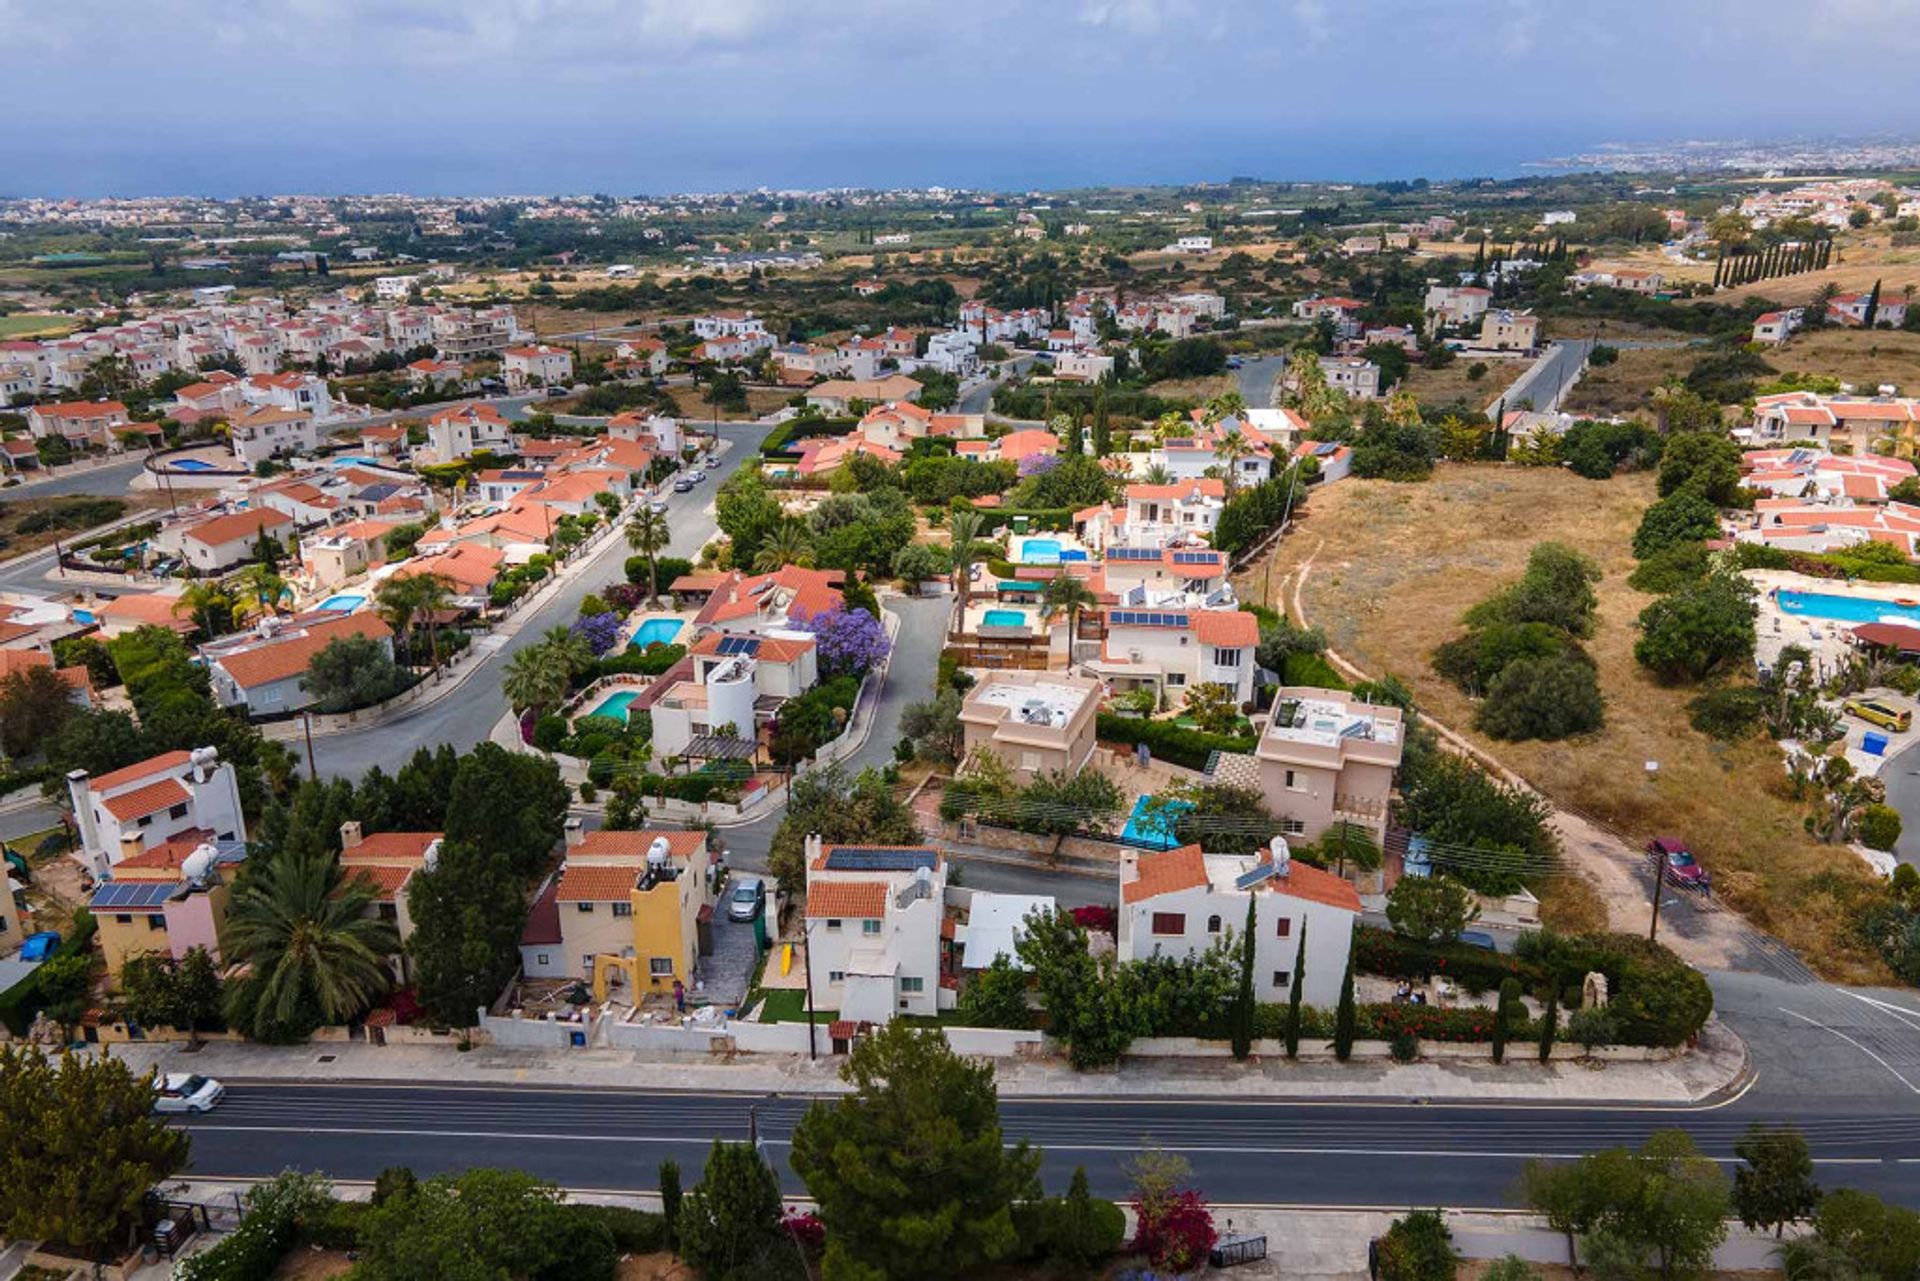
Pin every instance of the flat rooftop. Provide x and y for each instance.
(1041, 702)
(1326, 722)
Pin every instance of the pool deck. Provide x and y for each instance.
(1829, 639)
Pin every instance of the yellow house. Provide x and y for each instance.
(630, 904)
(386, 861)
(169, 899)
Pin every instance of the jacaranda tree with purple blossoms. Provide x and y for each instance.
(850, 642)
(601, 630)
(1037, 464)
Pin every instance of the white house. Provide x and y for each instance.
(266, 432)
(874, 918)
(1172, 650)
(394, 288)
(1180, 902)
(730, 324)
(264, 672)
(1082, 366)
(226, 541)
(1358, 378)
(1192, 245)
(540, 366)
(462, 430)
(155, 801)
(739, 681)
(1775, 327)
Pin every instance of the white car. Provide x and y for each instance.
(179, 1093)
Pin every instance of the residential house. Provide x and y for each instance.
(729, 324)
(860, 358)
(1775, 327)
(222, 542)
(265, 672)
(809, 360)
(1082, 366)
(1178, 903)
(1036, 722)
(657, 432)
(389, 441)
(122, 614)
(83, 424)
(167, 899)
(1358, 378)
(1456, 305)
(1173, 650)
(763, 603)
(1174, 577)
(537, 366)
(737, 684)
(840, 395)
(1155, 516)
(471, 568)
(259, 434)
(1506, 330)
(152, 802)
(1343, 312)
(1325, 756)
(448, 377)
(340, 555)
(1852, 421)
(1851, 309)
(629, 906)
(387, 862)
(874, 920)
(643, 356)
(463, 430)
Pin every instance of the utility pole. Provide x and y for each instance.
(812, 1052)
(306, 720)
(1659, 887)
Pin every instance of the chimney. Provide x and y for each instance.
(349, 833)
(130, 846)
(576, 833)
(812, 848)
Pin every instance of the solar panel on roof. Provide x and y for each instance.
(1196, 558)
(730, 645)
(1324, 448)
(1247, 880)
(868, 858)
(1134, 553)
(120, 896)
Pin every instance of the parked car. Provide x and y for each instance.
(1682, 867)
(1478, 938)
(682, 486)
(554, 393)
(747, 898)
(181, 1093)
(1875, 712)
(696, 475)
(659, 506)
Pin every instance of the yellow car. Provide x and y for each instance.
(1896, 719)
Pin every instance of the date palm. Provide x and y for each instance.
(648, 534)
(786, 545)
(403, 600)
(1069, 593)
(1232, 447)
(206, 603)
(315, 955)
(965, 528)
(571, 650)
(1158, 474)
(260, 588)
(536, 678)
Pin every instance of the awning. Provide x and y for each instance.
(1890, 635)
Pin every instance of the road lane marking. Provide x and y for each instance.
(1855, 1044)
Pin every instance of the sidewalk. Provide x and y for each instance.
(1717, 1068)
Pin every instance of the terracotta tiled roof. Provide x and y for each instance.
(252, 668)
(1316, 886)
(1229, 628)
(143, 801)
(387, 882)
(390, 846)
(587, 883)
(634, 845)
(777, 649)
(543, 921)
(238, 525)
(163, 861)
(857, 900)
(1167, 873)
(160, 764)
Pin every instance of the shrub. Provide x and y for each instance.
(549, 732)
(1418, 1248)
(1168, 741)
(1879, 827)
(1698, 630)
(1683, 517)
(1670, 569)
(633, 1231)
(1729, 713)
(1544, 698)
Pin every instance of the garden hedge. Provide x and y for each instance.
(1170, 742)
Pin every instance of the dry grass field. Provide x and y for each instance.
(1194, 389)
(760, 400)
(1452, 385)
(1394, 567)
(1623, 386)
(1864, 357)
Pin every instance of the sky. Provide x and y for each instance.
(475, 97)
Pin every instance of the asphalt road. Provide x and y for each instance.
(1902, 777)
(468, 715)
(1258, 377)
(1548, 379)
(1243, 1150)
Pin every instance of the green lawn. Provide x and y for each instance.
(789, 1005)
(34, 325)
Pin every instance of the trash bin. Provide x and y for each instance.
(1873, 743)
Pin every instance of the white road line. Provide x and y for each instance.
(1855, 1044)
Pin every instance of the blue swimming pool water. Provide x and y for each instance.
(192, 464)
(615, 705)
(655, 631)
(344, 604)
(1153, 830)
(356, 459)
(1004, 618)
(1038, 551)
(1845, 609)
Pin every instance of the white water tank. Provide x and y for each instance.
(730, 694)
(197, 864)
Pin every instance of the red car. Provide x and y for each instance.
(1682, 867)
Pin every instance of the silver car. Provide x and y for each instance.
(747, 897)
(182, 1093)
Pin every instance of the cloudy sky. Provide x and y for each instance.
(473, 96)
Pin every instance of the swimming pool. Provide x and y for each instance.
(1036, 551)
(192, 464)
(1154, 829)
(1847, 609)
(615, 705)
(1004, 618)
(655, 631)
(344, 604)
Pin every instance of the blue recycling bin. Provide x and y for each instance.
(1873, 743)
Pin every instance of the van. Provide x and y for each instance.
(1886, 716)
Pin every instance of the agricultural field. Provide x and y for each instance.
(1394, 567)
(1864, 357)
(35, 325)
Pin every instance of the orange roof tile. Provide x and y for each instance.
(251, 668)
(590, 883)
(1316, 886)
(634, 845)
(238, 525)
(390, 846)
(1167, 873)
(387, 882)
(143, 801)
(859, 900)
(1229, 628)
(160, 764)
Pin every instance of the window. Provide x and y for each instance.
(1030, 761)
(1213, 925)
(623, 909)
(583, 907)
(1292, 827)
(836, 976)
(661, 967)
(1283, 928)
(123, 918)
(833, 925)
(1177, 679)
(1296, 782)
(870, 927)
(146, 820)
(909, 986)
(1281, 978)
(586, 962)
(1226, 658)
(1169, 922)
(155, 921)
(178, 811)
(539, 958)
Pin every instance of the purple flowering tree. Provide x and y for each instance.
(850, 642)
(1038, 464)
(601, 630)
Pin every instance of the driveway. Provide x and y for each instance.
(467, 716)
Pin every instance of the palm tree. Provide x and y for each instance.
(536, 678)
(262, 588)
(403, 599)
(569, 649)
(649, 535)
(206, 603)
(1069, 593)
(965, 528)
(786, 545)
(310, 943)
(1158, 474)
(1232, 448)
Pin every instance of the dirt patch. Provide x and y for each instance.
(1393, 568)
(313, 1264)
(691, 403)
(1456, 385)
(1199, 390)
(1624, 387)
(653, 1267)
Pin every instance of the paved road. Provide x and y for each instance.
(1549, 378)
(1259, 376)
(1245, 1150)
(468, 716)
(1902, 777)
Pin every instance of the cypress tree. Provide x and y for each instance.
(1719, 267)
(1873, 307)
(1102, 432)
(670, 1199)
(1294, 991)
(1343, 1017)
(1243, 998)
(1503, 1012)
(1550, 1020)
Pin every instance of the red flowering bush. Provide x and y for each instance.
(1175, 1232)
(806, 1228)
(1096, 919)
